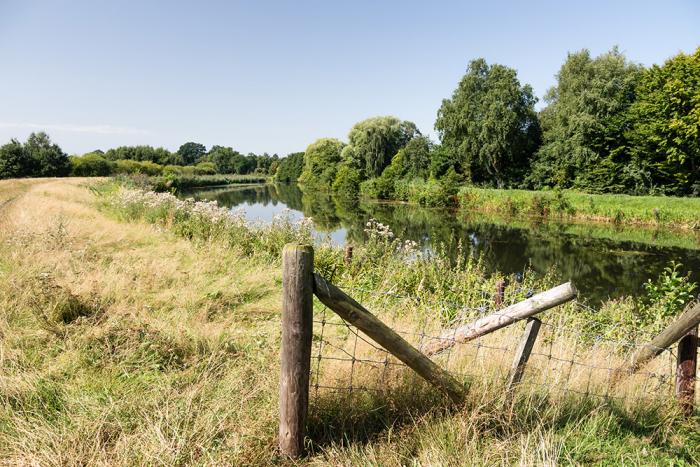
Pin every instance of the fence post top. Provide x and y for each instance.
(301, 247)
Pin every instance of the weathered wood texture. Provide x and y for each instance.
(522, 354)
(501, 318)
(688, 320)
(686, 369)
(347, 257)
(357, 315)
(500, 293)
(297, 328)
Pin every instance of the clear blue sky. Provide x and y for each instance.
(273, 76)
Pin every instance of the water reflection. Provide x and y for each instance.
(603, 261)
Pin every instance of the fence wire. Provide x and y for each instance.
(564, 360)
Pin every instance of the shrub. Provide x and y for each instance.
(378, 188)
(540, 206)
(347, 182)
(562, 204)
(172, 170)
(91, 165)
(369, 189)
(125, 166)
(205, 168)
(668, 295)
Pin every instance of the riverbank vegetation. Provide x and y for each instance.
(674, 212)
(139, 329)
(609, 126)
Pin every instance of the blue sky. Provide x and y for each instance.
(267, 76)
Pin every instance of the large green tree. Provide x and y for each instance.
(14, 162)
(37, 157)
(321, 159)
(374, 141)
(664, 141)
(191, 153)
(290, 167)
(583, 125)
(490, 125)
(226, 160)
(47, 158)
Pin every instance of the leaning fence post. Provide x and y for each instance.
(686, 367)
(688, 320)
(297, 328)
(522, 354)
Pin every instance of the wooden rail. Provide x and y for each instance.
(688, 320)
(501, 318)
(357, 315)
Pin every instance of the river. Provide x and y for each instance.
(603, 260)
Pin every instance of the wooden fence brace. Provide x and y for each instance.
(357, 315)
(297, 328)
(686, 368)
(688, 320)
(504, 317)
(522, 354)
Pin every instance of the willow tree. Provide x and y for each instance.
(374, 141)
(490, 126)
(321, 161)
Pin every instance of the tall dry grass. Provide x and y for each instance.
(126, 343)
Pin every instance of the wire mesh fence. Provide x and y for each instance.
(564, 360)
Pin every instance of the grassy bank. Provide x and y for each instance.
(141, 329)
(677, 213)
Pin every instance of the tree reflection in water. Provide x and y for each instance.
(602, 260)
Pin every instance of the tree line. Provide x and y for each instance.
(40, 157)
(609, 126)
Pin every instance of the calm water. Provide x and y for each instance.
(603, 261)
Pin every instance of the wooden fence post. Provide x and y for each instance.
(522, 354)
(297, 328)
(347, 258)
(686, 367)
(500, 293)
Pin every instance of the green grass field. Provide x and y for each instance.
(671, 212)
